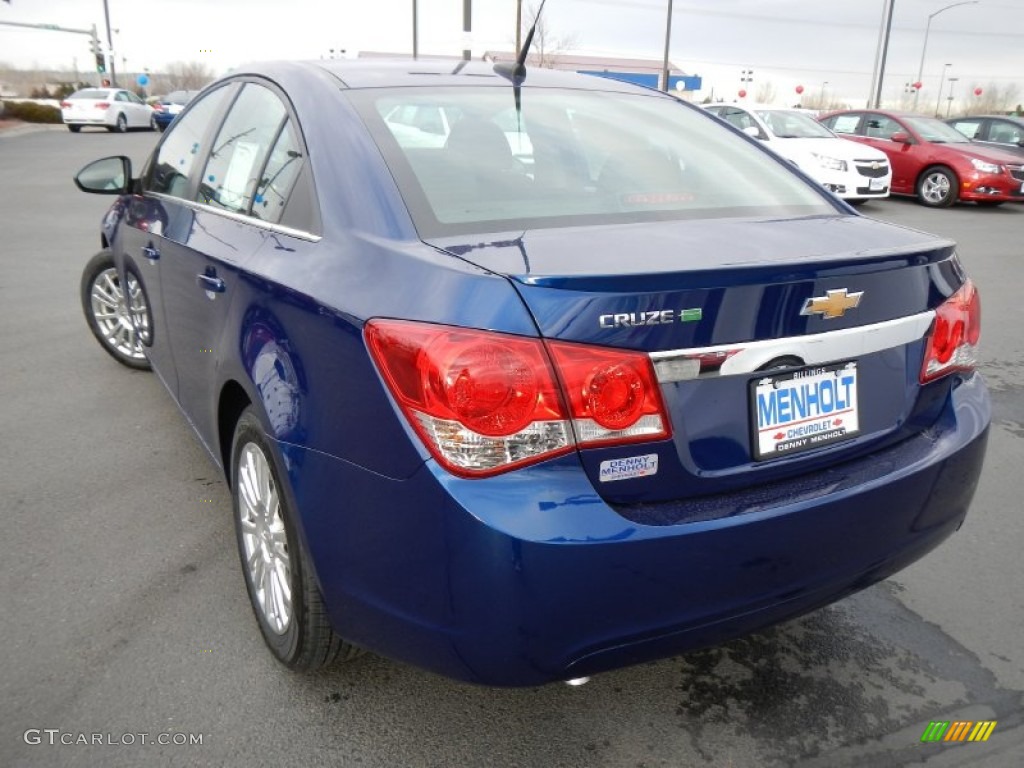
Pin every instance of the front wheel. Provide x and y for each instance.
(74, 128)
(118, 318)
(284, 595)
(937, 187)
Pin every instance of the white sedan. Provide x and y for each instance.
(112, 108)
(848, 169)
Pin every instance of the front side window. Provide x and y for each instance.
(968, 128)
(175, 165)
(573, 157)
(238, 153)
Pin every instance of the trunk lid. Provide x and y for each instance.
(719, 305)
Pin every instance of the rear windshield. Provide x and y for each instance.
(466, 160)
(89, 93)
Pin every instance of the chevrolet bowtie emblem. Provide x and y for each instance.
(833, 304)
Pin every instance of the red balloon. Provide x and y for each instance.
(917, 85)
(977, 91)
(799, 89)
(743, 93)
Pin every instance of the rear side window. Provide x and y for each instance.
(176, 161)
(240, 149)
(278, 179)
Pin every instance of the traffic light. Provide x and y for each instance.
(97, 51)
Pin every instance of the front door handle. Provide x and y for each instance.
(150, 252)
(211, 283)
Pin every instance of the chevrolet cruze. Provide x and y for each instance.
(522, 419)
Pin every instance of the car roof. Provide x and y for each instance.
(1011, 118)
(384, 73)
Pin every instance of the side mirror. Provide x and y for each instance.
(901, 137)
(108, 176)
(753, 130)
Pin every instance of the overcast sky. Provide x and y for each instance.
(786, 42)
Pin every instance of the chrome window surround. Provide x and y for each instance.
(241, 217)
(815, 349)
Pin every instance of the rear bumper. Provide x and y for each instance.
(530, 577)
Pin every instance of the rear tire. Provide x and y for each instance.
(937, 187)
(121, 126)
(278, 577)
(121, 323)
(74, 128)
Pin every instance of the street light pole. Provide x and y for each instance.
(821, 96)
(668, 38)
(924, 48)
(942, 81)
(949, 99)
(110, 42)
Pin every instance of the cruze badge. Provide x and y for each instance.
(833, 304)
(656, 317)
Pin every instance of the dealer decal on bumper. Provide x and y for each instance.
(627, 469)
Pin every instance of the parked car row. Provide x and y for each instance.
(932, 160)
(972, 159)
(119, 110)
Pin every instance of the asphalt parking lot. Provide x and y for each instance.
(124, 611)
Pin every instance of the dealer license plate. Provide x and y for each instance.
(876, 185)
(802, 410)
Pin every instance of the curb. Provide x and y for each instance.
(21, 130)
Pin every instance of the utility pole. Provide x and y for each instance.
(110, 44)
(668, 38)
(875, 99)
(415, 32)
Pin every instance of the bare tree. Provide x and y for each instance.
(186, 76)
(765, 93)
(547, 46)
(992, 100)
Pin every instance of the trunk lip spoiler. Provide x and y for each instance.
(745, 358)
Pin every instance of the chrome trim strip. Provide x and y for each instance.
(815, 349)
(239, 217)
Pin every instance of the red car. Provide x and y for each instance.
(933, 160)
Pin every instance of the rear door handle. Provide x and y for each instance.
(150, 252)
(211, 283)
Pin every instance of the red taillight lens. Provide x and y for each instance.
(65, 104)
(102, 104)
(482, 402)
(486, 402)
(953, 341)
(613, 394)
(157, 107)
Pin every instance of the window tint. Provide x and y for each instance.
(240, 149)
(175, 163)
(279, 177)
(572, 157)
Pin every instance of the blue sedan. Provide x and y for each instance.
(520, 379)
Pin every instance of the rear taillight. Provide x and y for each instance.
(486, 402)
(65, 104)
(102, 104)
(953, 341)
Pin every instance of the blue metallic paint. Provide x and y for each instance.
(533, 576)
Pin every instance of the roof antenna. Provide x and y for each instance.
(517, 73)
